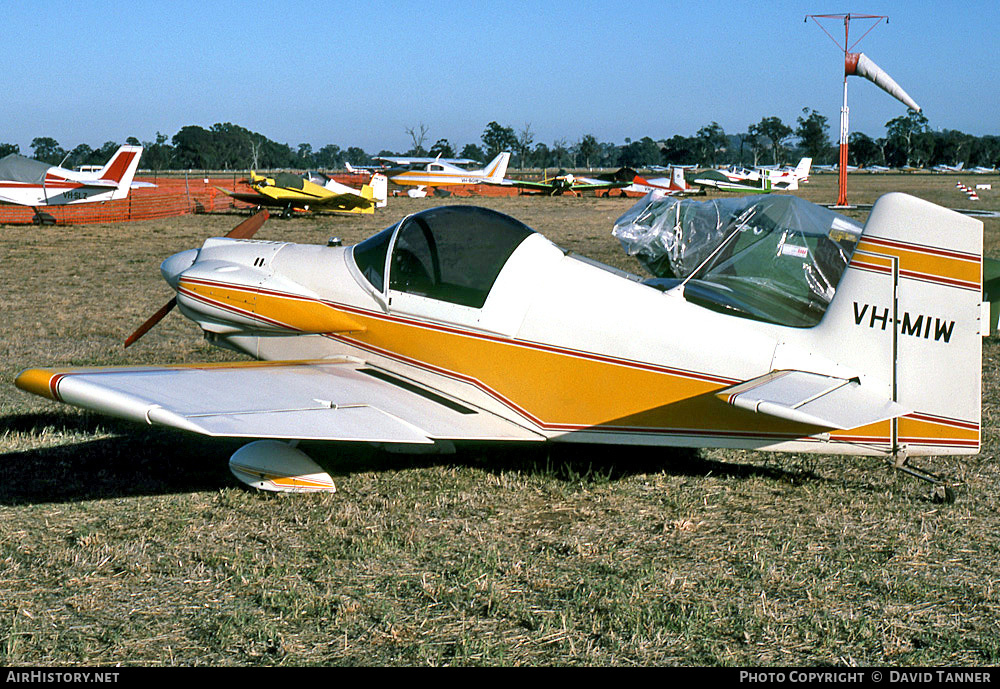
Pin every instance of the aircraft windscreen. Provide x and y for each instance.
(288, 181)
(317, 177)
(454, 253)
(369, 256)
(774, 258)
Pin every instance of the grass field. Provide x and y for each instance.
(125, 544)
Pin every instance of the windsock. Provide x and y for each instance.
(859, 64)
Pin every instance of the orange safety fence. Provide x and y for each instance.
(178, 196)
(170, 197)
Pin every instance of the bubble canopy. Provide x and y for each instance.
(451, 253)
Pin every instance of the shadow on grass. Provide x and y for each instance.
(133, 461)
(138, 460)
(574, 462)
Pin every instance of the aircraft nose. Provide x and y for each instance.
(173, 266)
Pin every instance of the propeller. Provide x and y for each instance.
(245, 230)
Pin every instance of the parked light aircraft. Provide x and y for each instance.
(564, 183)
(981, 170)
(673, 185)
(459, 323)
(834, 168)
(780, 178)
(761, 185)
(29, 182)
(435, 172)
(364, 169)
(312, 191)
(948, 168)
(423, 160)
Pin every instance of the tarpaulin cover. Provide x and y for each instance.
(17, 168)
(776, 258)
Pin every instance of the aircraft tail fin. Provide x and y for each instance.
(908, 317)
(350, 168)
(380, 189)
(677, 180)
(802, 169)
(121, 169)
(497, 168)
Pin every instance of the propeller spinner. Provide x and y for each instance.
(173, 266)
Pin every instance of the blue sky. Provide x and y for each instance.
(360, 74)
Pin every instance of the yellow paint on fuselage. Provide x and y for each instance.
(563, 390)
(933, 264)
(314, 196)
(298, 315)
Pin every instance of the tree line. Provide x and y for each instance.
(908, 140)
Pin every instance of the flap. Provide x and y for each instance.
(813, 399)
(307, 400)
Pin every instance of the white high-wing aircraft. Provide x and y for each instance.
(834, 168)
(981, 170)
(786, 178)
(958, 167)
(29, 182)
(459, 324)
(435, 172)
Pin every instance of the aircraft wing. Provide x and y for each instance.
(337, 399)
(342, 202)
(408, 160)
(583, 184)
(599, 185)
(331, 202)
(813, 399)
(250, 197)
(522, 184)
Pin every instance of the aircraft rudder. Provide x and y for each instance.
(122, 168)
(677, 180)
(907, 314)
(380, 189)
(497, 168)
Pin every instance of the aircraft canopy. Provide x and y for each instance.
(450, 253)
(774, 258)
(17, 168)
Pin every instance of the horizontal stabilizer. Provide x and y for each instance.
(812, 399)
(305, 400)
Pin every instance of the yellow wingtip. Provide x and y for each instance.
(37, 381)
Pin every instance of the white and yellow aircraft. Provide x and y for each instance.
(312, 191)
(459, 324)
(436, 172)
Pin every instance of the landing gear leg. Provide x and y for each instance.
(940, 493)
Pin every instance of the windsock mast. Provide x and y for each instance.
(858, 64)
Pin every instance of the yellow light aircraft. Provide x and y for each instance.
(461, 324)
(312, 191)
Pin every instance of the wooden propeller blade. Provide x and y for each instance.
(248, 228)
(153, 320)
(245, 230)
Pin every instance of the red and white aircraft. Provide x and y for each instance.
(29, 182)
(675, 184)
(783, 178)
